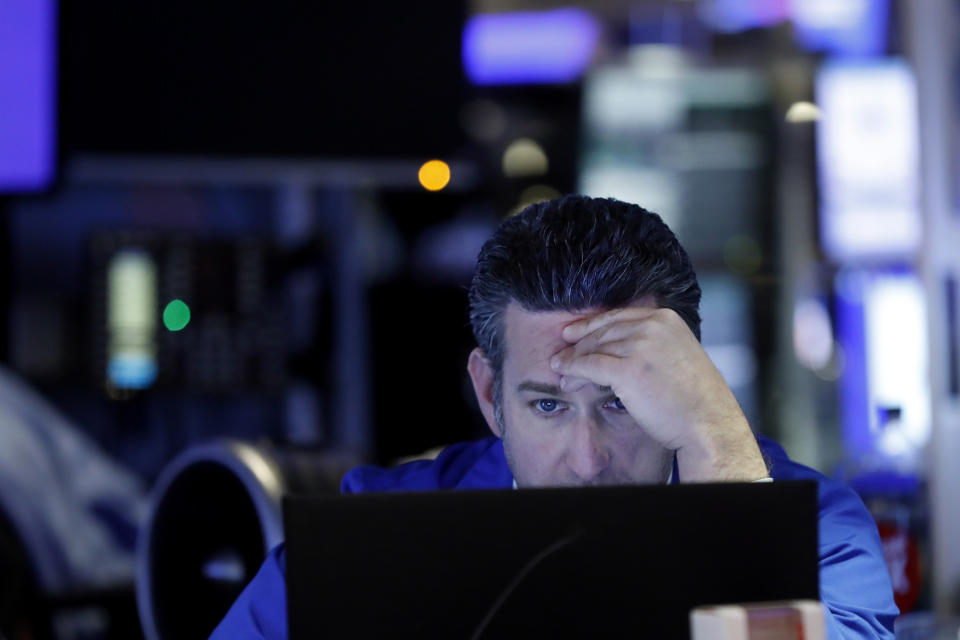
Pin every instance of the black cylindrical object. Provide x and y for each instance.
(214, 515)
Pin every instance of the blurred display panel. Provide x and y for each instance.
(332, 79)
(731, 16)
(842, 27)
(882, 329)
(686, 143)
(157, 316)
(529, 47)
(868, 160)
(236, 339)
(839, 27)
(951, 292)
(131, 320)
(28, 112)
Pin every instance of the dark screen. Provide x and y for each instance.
(358, 78)
(596, 562)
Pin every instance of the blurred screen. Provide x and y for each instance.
(27, 94)
(842, 27)
(868, 160)
(529, 47)
(882, 330)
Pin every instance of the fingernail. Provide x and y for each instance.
(555, 362)
(563, 383)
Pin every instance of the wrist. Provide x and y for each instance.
(728, 454)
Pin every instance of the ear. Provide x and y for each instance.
(482, 376)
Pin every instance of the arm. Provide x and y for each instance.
(854, 583)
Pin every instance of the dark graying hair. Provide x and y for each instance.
(577, 253)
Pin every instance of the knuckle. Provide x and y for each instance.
(668, 314)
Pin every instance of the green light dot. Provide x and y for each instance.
(176, 315)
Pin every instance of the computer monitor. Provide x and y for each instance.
(584, 562)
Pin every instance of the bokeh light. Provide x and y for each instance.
(802, 112)
(524, 157)
(813, 340)
(532, 195)
(434, 175)
(131, 320)
(484, 120)
(176, 315)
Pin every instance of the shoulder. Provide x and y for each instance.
(477, 464)
(838, 501)
(833, 494)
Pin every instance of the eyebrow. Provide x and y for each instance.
(552, 389)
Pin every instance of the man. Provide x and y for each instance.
(589, 371)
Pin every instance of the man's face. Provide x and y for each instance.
(581, 436)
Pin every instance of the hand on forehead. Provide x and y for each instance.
(594, 326)
(534, 338)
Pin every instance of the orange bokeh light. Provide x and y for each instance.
(434, 175)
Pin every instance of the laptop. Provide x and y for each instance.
(562, 562)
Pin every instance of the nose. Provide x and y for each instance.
(587, 455)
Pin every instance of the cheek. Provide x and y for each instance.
(639, 457)
(628, 440)
(533, 444)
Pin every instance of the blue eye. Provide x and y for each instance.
(547, 405)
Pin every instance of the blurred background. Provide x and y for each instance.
(235, 241)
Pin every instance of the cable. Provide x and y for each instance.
(556, 546)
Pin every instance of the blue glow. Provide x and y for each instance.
(529, 47)
(842, 27)
(731, 16)
(851, 334)
(128, 371)
(884, 388)
(27, 94)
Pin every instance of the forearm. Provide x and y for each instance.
(722, 453)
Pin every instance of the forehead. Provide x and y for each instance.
(532, 337)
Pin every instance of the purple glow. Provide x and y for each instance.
(27, 94)
(529, 47)
(731, 16)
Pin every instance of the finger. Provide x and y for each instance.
(572, 384)
(599, 368)
(575, 331)
(561, 361)
(613, 332)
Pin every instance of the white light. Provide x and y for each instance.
(524, 158)
(812, 334)
(828, 14)
(895, 328)
(131, 320)
(868, 158)
(802, 112)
